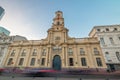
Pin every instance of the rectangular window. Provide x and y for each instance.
(118, 55)
(32, 62)
(111, 40)
(2, 51)
(99, 62)
(96, 52)
(21, 61)
(70, 52)
(70, 61)
(44, 52)
(83, 61)
(34, 52)
(43, 61)
(82, 52)
(107, 57)
(13, 53)
(23, 53)
(102, 40)
(10, 61)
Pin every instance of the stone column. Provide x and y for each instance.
(17, 59)
(75, 56)
(29, 55)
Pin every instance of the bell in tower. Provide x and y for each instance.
(58, 20)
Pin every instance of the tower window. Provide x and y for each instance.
(58, 23)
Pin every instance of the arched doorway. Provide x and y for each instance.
(56, 63)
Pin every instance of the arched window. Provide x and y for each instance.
(32, 62)
(10, 61)
(13, 53)
(21, 61)
(99, 62)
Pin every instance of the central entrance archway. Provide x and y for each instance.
(56, 62)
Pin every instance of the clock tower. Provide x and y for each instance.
(57, 34)
(58, 20)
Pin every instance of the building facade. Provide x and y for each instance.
(57, 51)
(2, 12)
(5, 41)
(109, 37)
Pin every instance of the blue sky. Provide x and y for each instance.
(32, 18)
